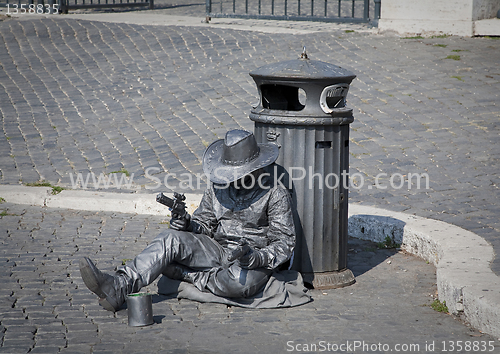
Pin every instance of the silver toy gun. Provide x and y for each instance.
(176, 205)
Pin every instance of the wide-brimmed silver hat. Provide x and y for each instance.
(229, 159)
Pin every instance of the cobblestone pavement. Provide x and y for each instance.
(81, 96)
(46, 308)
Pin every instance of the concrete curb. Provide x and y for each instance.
(464, 278)
(462, 259)
(487, 27)
(131, 203)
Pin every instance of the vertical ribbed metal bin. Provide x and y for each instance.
(302, 109)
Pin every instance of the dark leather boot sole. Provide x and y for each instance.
(109, 304)
(90, 276)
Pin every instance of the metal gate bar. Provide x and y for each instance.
(256, 9)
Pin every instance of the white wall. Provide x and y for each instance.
(428, 17)
(427, 9)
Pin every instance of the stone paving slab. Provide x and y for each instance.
(46, 308)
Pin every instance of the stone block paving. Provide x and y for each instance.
(46, 308)
(81, 97)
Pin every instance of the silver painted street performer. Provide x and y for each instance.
(241, 208)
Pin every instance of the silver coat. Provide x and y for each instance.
(262, 216)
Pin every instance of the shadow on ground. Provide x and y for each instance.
(365, 255)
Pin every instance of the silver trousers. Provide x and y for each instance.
(207, 258)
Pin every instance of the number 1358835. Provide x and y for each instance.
(33, 9)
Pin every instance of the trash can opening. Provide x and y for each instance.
(334, 96)
(282, 97)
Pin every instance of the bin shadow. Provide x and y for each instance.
(364, 255)
(158, 319)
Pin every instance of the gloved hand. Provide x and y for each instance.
(242, 249)
(253, 259)
(180, 224)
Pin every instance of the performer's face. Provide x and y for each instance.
(249, 181)
(243, 183)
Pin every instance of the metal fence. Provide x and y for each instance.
(62, 6)
(96, 4)
(294, 10)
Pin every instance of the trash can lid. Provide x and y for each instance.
(304, 68)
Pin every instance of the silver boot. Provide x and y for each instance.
(111, 289)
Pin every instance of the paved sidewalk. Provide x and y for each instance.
(100, 97)
(46, 308)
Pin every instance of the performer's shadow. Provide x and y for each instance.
(160, 297)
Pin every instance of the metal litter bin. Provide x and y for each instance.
(302, 108)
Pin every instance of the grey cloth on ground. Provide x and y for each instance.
(283, 289)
